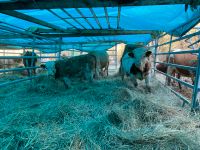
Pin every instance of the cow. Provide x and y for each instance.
(83, 66)
(102, 59)
(137, 65)
(30, 62)
(9, 63)
(180, 59)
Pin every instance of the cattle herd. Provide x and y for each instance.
(135, 64)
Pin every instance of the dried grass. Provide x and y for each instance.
(106, 114)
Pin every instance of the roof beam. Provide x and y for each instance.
(118, 17)
(84, 18)
(72, 18)
(95, 32)
(50, 4)
(30, 19)
(95, 17)
(75, 33)
(88, 42)
(107, 17)
(2, 27)
(62, 19)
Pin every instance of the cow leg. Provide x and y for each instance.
(28, 70)
(170, 72)
(97, 70)
(134, 80)
(106, 69)
(122, 73)
(179, 84)
(88, 73)
(67, 82)
(147, 82)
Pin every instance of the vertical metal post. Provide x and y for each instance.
(195, 103)
(4, 61)
(155, 55)
(116, 55)
(170, 45)
(32, 59)
(60, 48)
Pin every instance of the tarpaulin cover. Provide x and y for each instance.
(167, 18)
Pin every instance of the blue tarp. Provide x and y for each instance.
(164, 18)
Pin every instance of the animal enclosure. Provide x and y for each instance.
(56, 94)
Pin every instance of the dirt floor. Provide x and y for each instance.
(107, 114)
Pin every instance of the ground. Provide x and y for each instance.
(106, 114)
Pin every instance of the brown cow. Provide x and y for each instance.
(180, 59)
(83, 66)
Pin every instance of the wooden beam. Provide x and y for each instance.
(51, 4)
(30, 19)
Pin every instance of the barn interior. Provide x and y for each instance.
(38, 112)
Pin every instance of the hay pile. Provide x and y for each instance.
(106, 114)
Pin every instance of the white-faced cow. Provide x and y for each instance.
(180, 59)
(137, 65)
(102, 59)
(83, 66)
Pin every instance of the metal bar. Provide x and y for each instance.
(194, 43)
(94, 32)
(180, 81)
(155, 54)
(60, 48)
(84, 18)
(186, 100)
(95, 17)
(16, 57)
(195, 89)
(179, 52)
(107, 17)
(89, 17)
(182, 38)
(24, 45)
(178, 66)
(23, 32)
(73, 18)
(17, 69)
(118, 18)
(30, 19)
(89, 42)
(62, 19)
(19, 80)
(49, 4)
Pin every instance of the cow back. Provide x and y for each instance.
(186, 60)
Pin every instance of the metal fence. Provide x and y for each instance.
(194, 101)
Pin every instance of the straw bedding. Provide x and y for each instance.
(106, 114)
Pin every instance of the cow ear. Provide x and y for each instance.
(148, 53)
(131, 55)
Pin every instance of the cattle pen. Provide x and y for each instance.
(89, 108)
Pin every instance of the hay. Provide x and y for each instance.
(105, 114)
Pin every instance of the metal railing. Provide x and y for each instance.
(194, 69)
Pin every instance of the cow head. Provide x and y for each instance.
(141, 57)
(50, 67)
